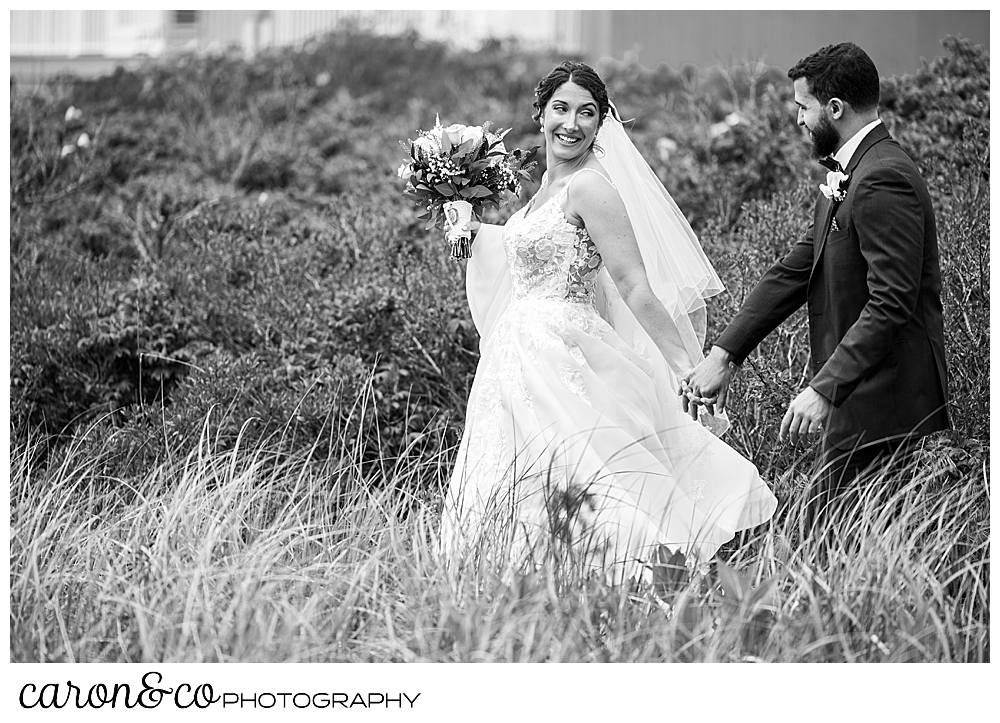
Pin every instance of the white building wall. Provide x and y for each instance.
(123, 33)
(462, 27)
(71, 33)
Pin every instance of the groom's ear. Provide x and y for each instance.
(837, 108)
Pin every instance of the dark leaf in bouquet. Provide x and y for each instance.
(478, 166)
(423, 192)
(463, 150)
(476, 192)
(523, 158)
(432, 217)
(445, 190)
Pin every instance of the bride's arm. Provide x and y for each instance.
(597, 203)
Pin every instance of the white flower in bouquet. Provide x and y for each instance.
(427, 145)
(467, 133)
(456, 134)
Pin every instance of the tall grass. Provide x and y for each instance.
(245, 553)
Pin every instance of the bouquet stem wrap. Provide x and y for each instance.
(458, 216)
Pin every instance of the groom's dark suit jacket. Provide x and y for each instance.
(873, 290)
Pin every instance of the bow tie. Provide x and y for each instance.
(831, 163)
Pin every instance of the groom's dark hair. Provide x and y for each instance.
(840, 71)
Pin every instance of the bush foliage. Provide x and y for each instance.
(231, 241)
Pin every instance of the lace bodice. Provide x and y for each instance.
(549, 257)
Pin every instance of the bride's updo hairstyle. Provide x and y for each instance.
(581, 74)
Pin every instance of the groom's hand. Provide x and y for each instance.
(691, 401)
(805, 416)
(707, 384)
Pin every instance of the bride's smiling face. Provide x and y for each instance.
(570, 122)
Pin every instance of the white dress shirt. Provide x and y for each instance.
(843, 156)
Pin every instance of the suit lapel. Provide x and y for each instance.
(826, 209)
(879, 133)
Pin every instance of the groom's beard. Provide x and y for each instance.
(825, 138)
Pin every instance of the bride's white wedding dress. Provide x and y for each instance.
(571, 435)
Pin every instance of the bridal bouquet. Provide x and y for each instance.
(459, 170)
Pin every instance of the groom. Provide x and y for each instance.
(868, 270)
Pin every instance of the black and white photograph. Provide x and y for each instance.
(494, 335)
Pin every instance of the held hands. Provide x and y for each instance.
(707, 384)
(805, 416)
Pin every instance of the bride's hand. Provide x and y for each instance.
(690, 401)
(708, 383)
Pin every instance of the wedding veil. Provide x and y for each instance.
(679, 273)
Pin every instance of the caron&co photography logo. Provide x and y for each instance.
(151, 692)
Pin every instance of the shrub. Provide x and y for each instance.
(930, 112)
(245, 215)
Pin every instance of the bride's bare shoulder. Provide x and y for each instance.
(593, 184)
(593, 173)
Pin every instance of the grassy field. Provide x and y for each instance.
(239, 368)
(246, 554)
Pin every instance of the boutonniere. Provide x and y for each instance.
(835, 187)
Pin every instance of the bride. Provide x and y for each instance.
(590, 303)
